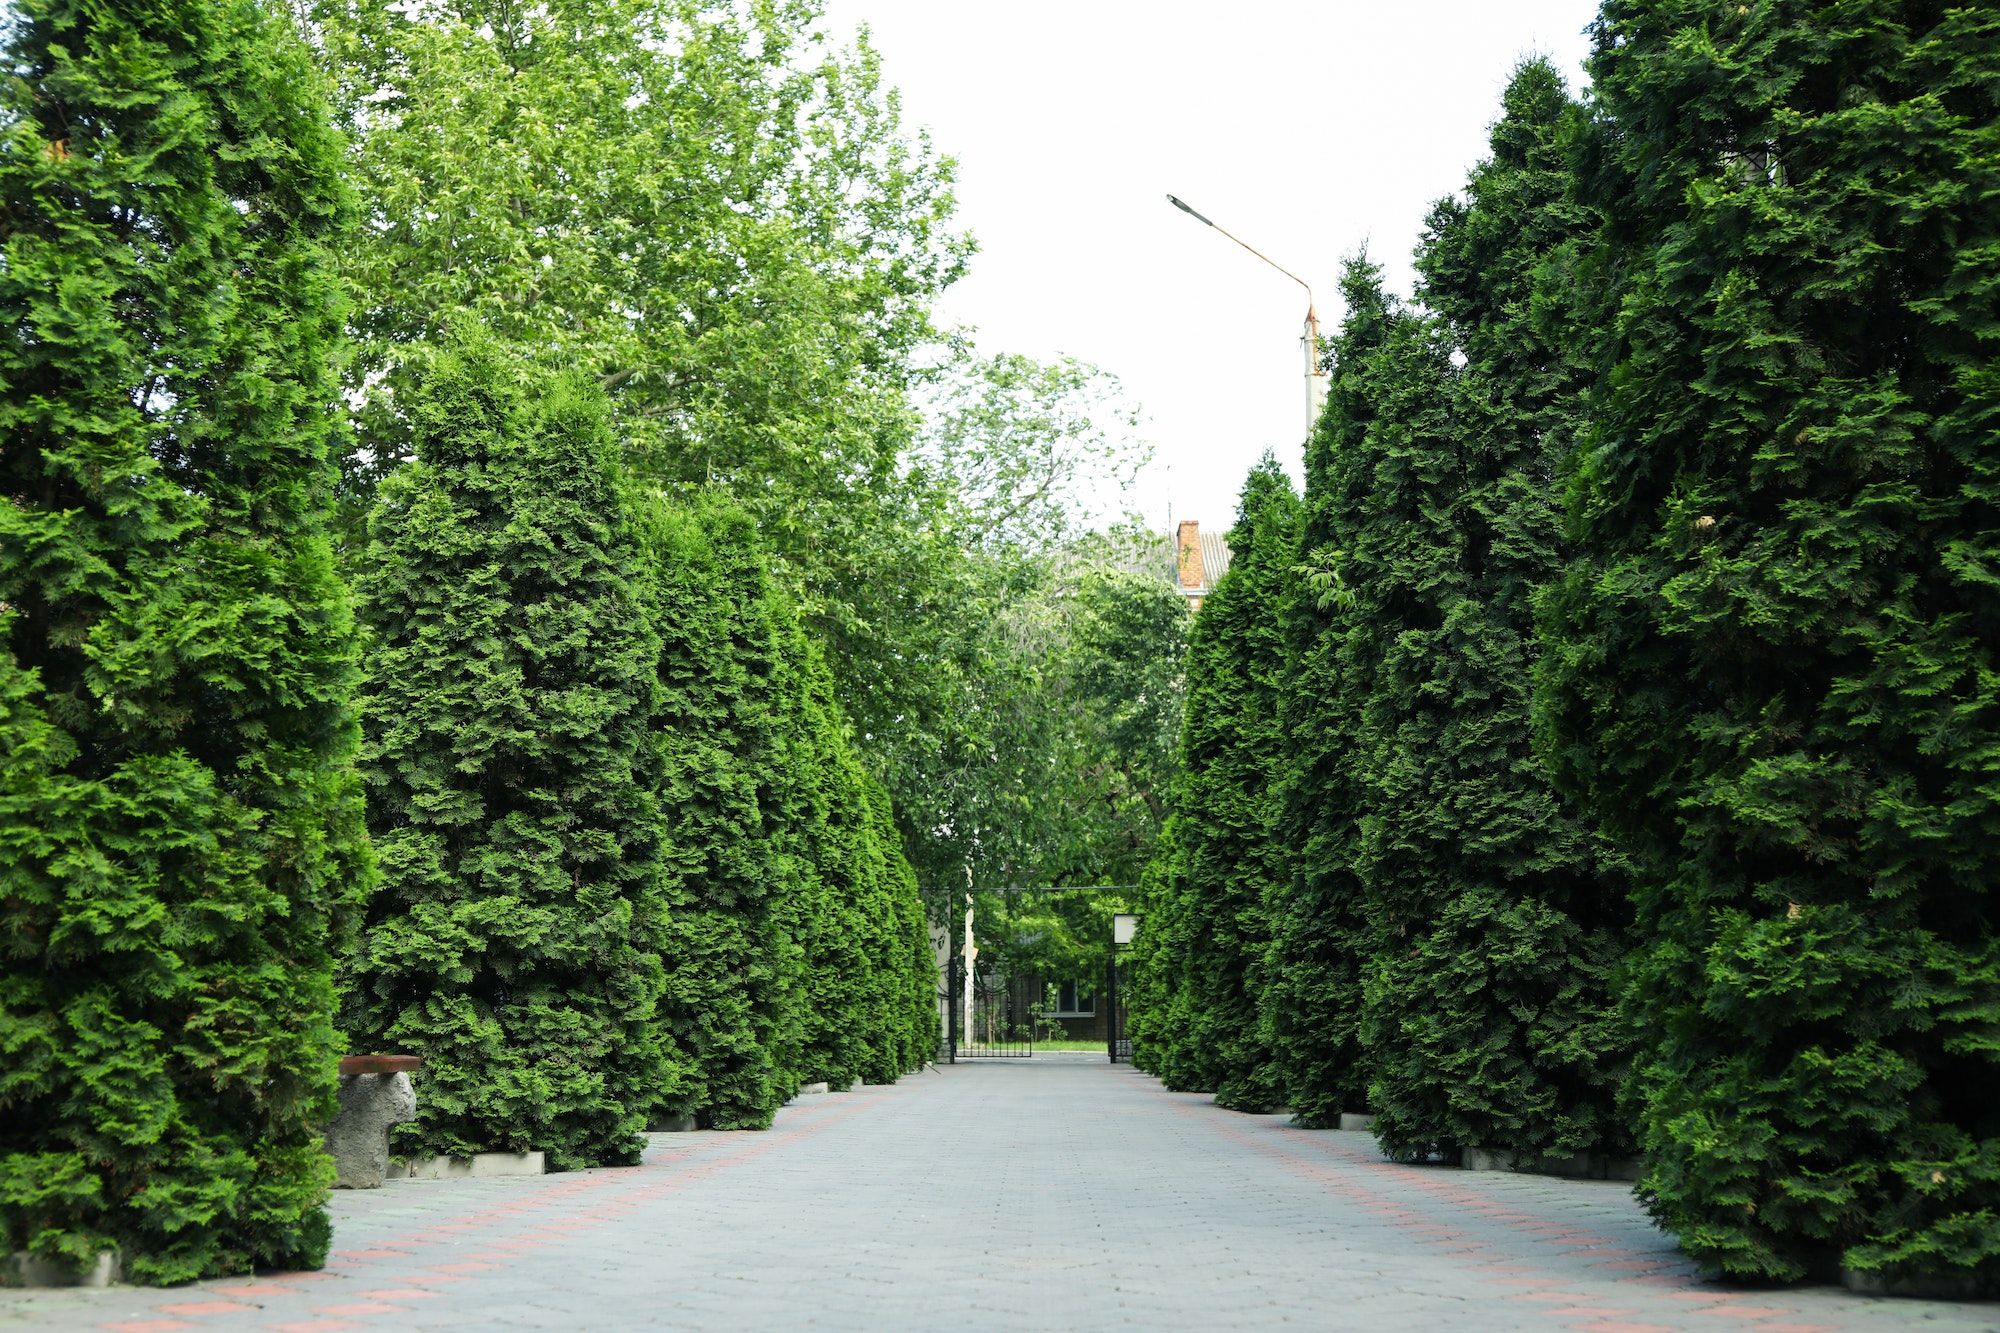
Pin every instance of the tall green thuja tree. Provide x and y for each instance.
(795, 945)
(1772, 670)
(1200, 957)
(1356, 511)
(180, 832)
(733, 882)
(870, 975)
(1489, 1020)
(514, 942)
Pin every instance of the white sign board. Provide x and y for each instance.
(1124, 926)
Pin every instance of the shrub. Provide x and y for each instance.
(514, 943)
(1771, 673)
(180, 831)
(1361, 451)
(1199, 960)
(1488, 1020)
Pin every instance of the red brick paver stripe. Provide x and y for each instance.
(149, 1325)
(361, 1307)
(204, 1307)
(1621, 1326)
(399, 1294)
(315, 1325)
(1798, 1328)
(1746, 1311)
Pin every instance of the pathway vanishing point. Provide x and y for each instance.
(1055, 1193)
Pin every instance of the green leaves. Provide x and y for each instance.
(1777, 642)
(180, 833)
(1199, 960)
(513, 785)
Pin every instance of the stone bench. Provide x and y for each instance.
(375, 1093)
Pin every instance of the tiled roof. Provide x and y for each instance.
(1214, 558)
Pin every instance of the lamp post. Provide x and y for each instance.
(1315, 377)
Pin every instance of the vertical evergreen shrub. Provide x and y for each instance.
(1772, 671)
(733, 882)
(794, 941)
(514, 942)
(870, 982)
(1378, 434)
(180, 832)
(1488, 1020)
(1199, 961)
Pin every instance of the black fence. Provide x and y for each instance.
(1003, 1023)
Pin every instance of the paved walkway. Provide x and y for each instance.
(1058, 1193)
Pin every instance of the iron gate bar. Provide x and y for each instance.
(1061, 888)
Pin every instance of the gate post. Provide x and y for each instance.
(951, 1011)
(1111, 1006)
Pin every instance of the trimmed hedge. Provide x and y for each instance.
(732, 885)
(515, 940)
(795, 943)
(1772, 674)
(180, 829)
(871, 982)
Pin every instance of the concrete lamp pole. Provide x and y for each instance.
(1315, 377)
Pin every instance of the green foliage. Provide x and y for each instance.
(1488, 1013)
(717, 215)
(733, 884)
(795, 944)
(871, 978)
(1198, 960)
(1079, 708)
(1361, 510)
(514, 943)
(1771, 674)
(180, 830)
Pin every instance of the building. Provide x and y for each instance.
(1201, 560)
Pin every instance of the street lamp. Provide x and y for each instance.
(1315, 377)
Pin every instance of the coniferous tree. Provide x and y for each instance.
(1771, 674)
(1198, 963)
(1378, 443)
(790, 909)
(735, 970)
(870, 975)
(1488, 1020)
(514, 942)
(180, 832)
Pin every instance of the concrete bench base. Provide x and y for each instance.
(358, 1138)
(479, 1164)
(1348, 1120)
(671, 1124)
(22, 1269)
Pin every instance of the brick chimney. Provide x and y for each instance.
(1188, 558)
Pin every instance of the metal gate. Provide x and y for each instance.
(1003, 1024)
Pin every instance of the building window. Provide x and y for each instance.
(1072, 1004)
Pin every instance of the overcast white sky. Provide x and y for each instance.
(1308, 129)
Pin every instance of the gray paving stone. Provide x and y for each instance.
(1025, 1195)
